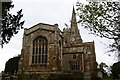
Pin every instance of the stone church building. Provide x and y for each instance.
(46, 49)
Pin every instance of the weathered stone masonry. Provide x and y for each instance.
(46, 48)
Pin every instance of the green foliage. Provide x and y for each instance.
(11, 24)
(104, 69)
(11, 65)
(28, 79)
(102, 19)
(116, 70)
(66, 76)
(102, 66)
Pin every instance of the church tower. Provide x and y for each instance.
(47, 50)
(75, 35)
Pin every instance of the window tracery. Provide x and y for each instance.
(40, 51)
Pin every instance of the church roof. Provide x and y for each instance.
(41, 26)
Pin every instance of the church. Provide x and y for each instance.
(46, 50)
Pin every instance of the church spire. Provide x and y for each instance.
(73, 21)
(75, 35)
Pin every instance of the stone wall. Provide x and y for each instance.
(51, 33)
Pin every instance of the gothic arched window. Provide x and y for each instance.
(40, 51)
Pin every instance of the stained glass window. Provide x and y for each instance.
(40, 53)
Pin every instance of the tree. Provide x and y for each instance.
(102, 19)
(116, 70)
(11, 65)
(105, 69)
(11, 24)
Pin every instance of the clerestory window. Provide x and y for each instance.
(40, 51)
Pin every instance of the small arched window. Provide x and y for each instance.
(40, 51)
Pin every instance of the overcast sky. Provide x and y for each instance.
(50, 12)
